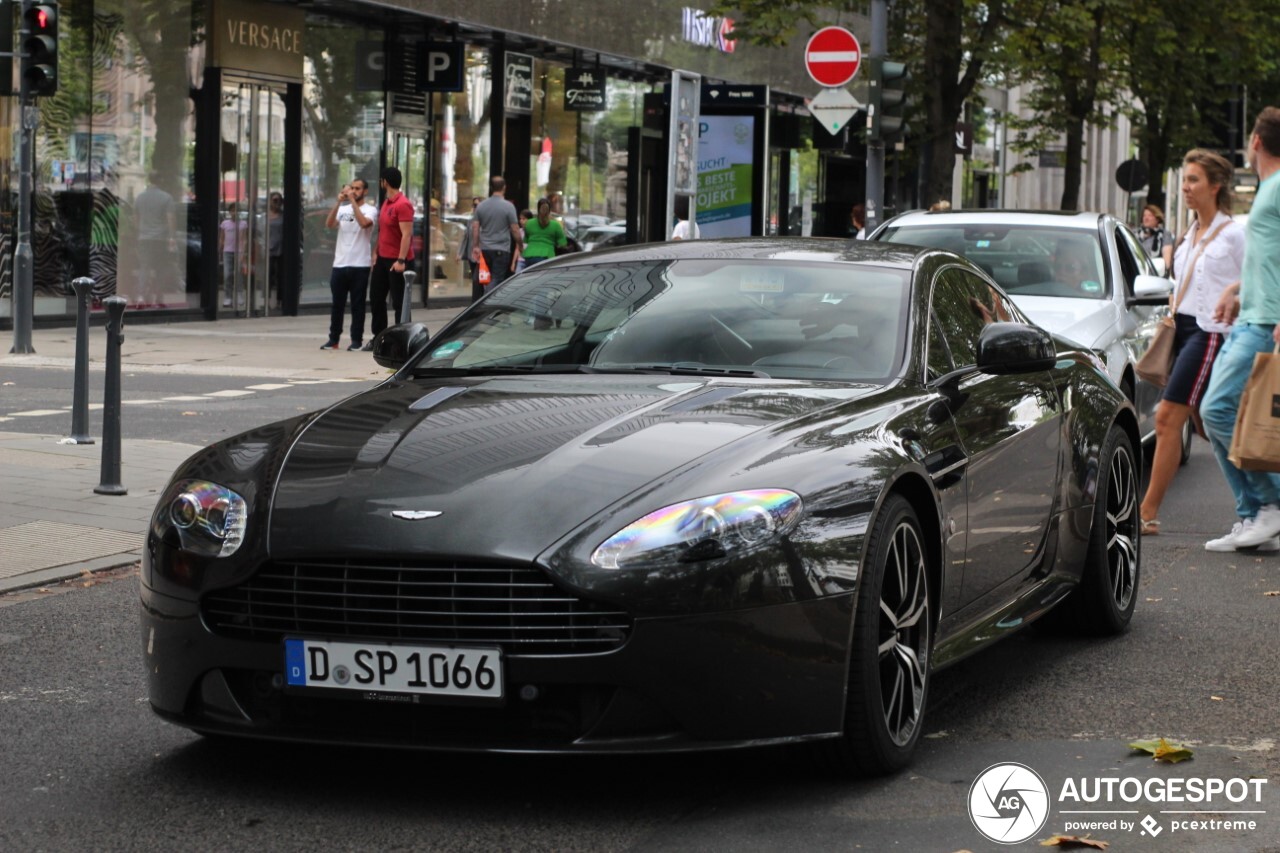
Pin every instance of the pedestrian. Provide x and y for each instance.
(495, 233)
(154, 218)
(232, 238)
(521, 218)
(1254, 305)
(1155, 238)
(1208, 260)
(353, 216)
(543, 236)
(684, 229)
(275, 245)
(464, 254)
(858, 221)
(395, 250)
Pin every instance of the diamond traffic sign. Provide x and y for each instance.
(833, 108)
(832, 56)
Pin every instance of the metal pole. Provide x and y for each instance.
(406, 305)
(875, 139)
(110, 484)
(83, 287)
(23, 260)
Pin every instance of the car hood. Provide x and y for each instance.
(1085, 321)
(506, 465)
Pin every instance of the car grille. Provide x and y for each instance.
(515, 607)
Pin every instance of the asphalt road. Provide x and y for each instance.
(193, 409)
(86, 765)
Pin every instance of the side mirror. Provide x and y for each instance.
(1150, 290)
(395, 345)
(1015, 348)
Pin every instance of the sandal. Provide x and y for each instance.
(1150, 527)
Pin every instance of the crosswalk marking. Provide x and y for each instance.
(183, 398)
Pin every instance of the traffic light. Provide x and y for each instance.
(40, 48)
(893, 97)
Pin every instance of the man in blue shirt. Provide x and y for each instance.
(1254, 305)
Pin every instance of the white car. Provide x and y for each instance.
(1084, 276)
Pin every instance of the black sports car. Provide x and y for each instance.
(679, 496)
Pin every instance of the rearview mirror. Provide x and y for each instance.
(397, 344)
(1150, 290)
(1015, 348)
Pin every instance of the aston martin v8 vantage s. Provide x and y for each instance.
(681, 496)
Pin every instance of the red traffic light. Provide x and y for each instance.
(42, 17)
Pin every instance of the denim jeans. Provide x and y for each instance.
(1252, 489)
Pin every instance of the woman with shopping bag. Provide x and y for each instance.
(1206, 261)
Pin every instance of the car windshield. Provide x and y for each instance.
(1028, 260)
(792, 320)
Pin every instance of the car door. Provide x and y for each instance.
(1140, 320)
(1009, 427)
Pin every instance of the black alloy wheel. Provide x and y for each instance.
(1103, 602)
(892, 643)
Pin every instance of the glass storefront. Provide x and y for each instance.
(181, 181)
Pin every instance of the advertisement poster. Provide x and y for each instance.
(726, 174)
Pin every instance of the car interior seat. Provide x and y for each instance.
(1033, 272)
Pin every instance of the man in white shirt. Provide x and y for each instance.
(352, 257)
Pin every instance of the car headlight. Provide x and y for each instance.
(702, 529)
(208, 519)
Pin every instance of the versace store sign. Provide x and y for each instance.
(259, 38)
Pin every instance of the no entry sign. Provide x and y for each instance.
(832, 56)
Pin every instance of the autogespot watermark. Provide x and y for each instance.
(1010, 803)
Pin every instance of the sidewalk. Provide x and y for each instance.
(53, 526)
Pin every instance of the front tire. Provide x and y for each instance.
(1103, 602)
(892, 643)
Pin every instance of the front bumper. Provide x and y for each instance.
(705, 681)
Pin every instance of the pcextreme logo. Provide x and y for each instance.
(1008, 803)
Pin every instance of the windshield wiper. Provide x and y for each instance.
(681, 368)
(482, 370)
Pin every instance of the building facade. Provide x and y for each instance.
(195, 147)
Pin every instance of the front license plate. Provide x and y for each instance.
(433, 670)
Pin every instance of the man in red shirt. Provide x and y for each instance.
(395, 251)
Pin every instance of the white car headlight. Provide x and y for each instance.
(209, 519)
(707, 528)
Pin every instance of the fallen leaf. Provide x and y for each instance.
(1272, 593)
(43, 589)
(1070, 842)
(1162, 750)
(1216, 698)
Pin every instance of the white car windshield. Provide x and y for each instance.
(1025, 260)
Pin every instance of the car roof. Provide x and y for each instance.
(1081, 219)
(804, 249)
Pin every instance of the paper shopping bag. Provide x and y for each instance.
(1255, 446)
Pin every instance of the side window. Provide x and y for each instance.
(957, 315)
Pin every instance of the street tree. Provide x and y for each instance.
(1179, 70)
(1071, 54)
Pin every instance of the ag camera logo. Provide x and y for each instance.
(1008, 803)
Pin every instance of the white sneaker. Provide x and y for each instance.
(1235, 540)
(1272, 544)
(1265, 526)
(1228, 542)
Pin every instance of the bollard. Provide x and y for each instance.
(406, 306)
(110, 484)
(83, 287)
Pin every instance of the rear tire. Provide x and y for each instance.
(1103, 602)
(890, 654)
